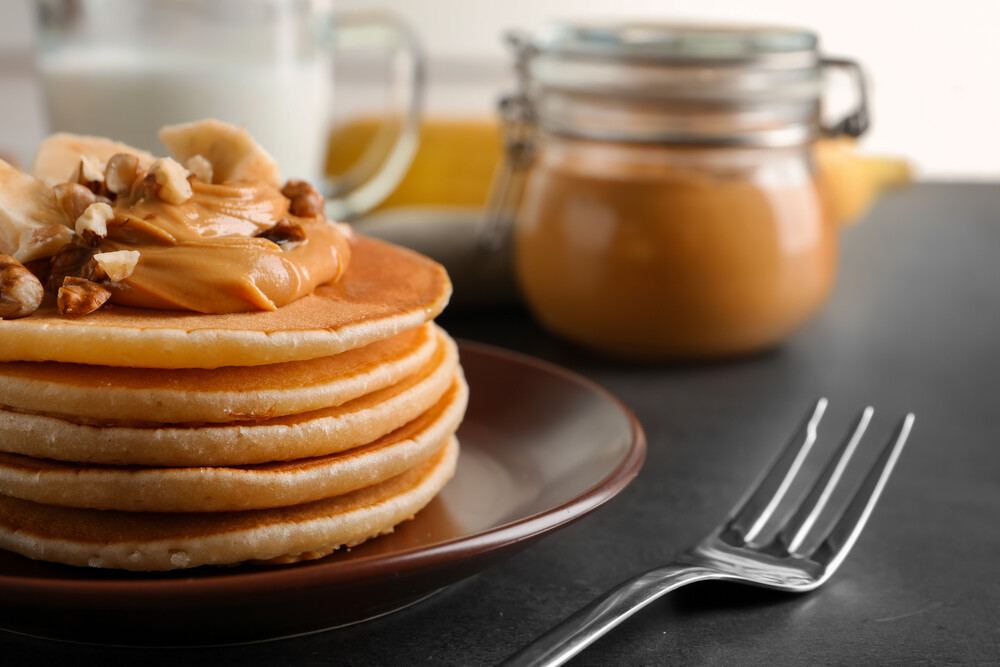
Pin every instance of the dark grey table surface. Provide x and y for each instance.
(913, 325)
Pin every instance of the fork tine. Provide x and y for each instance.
(802, 521)
(839, 539)
(763, 500)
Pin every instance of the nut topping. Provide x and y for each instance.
(284, 231)
(40, 268)
(42, 242)
(168, 179)
(92, 226)
(20, 291)
(304, 200)
(74, 260)
(73, 199)
(117, 265)
(78, 297)
(90, 174)
(121, 172)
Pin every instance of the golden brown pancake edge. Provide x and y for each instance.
(230, 488)
(154, 542)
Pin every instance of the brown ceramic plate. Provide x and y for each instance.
(541, 447)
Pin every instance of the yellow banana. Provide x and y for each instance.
(232, 152)
(854, 180)
(453, 166)
(60, 154)
(26, 204)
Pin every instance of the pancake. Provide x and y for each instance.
(206, 489)
(387, 290)
(152, 439)
(145, 541)
(315, 433)
(223, 394)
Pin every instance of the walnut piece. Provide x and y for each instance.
(200, 168)
(284, 231)
(122, 171)
(92, 226)
(78, 297)
(73, 199)
(117, 265)
(20, 291)
(92, 271)
(304, 201)
(169, 181)
(40, 267)
(90, 174)
(41, 242)
(75, 260)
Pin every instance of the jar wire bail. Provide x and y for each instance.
(518, 118)
(855, 123)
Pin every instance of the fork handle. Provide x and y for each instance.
(584, 627)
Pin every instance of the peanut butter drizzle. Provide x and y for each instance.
(203, 255)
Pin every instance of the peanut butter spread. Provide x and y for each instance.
(653, 253)
(212, 231)
(205, 254)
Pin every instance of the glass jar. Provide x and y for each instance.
(671, 207)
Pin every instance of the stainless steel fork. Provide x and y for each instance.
(799, 558)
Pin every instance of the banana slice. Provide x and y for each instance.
(232, 152)
(26, 204)
(60, 154)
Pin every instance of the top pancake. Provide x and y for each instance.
(386, 290)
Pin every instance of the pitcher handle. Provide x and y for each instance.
(373, 178)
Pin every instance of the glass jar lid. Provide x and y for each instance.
(674, 83)
(681, 43)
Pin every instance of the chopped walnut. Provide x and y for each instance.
(117, 265)
(122, 171)
(90, 174)
(284, 231)
(92, 226)
(40, 268)
(200, 168)
(168, 179)
(92, 271)
(39, 242)
(72, 260)
(20, 291)
(304, 201)
(73, 199)
(78, 297)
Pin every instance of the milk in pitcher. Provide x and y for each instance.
(129, 95)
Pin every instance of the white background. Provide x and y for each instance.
(933, 65)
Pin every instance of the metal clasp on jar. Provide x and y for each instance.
(517, 115)
(855, 123)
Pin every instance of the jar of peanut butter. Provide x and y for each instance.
(661, 181)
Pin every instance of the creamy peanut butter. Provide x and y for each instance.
(99, 221)
(205, 254)
(655, 253)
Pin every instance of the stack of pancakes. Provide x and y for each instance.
(156, 440)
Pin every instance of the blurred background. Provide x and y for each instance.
(935, 96)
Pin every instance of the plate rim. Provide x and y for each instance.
(522, 529)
